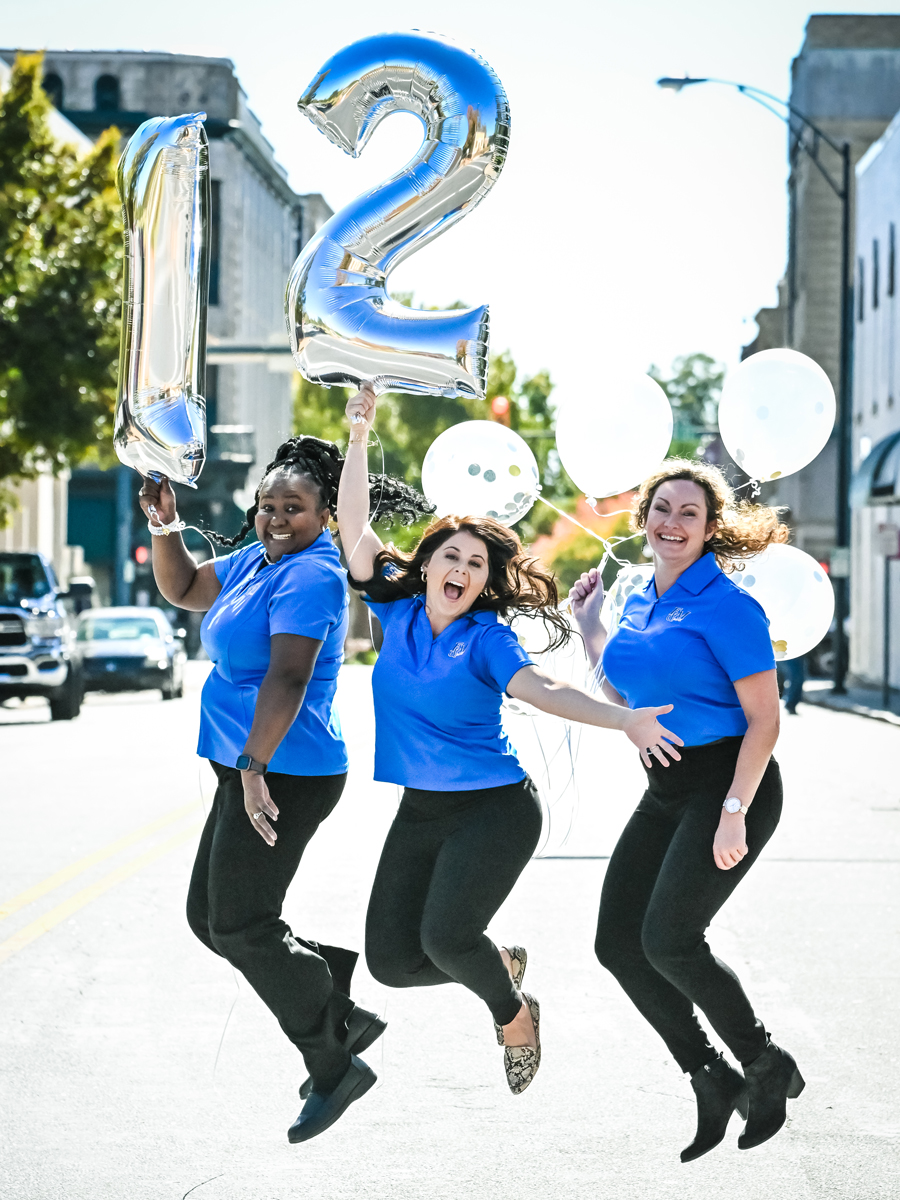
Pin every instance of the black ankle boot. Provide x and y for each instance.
(719, 1089)
(772, 1080)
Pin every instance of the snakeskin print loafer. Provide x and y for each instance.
(521, 1062)
(518, 962)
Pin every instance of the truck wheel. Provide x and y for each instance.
(65, 701)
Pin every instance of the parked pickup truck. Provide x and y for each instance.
(39, 655)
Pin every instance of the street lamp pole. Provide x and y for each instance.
(841, 560)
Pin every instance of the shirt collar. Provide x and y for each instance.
(699, 574)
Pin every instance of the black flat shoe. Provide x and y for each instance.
(363, 1028)
(772, 1080)
(719, 1089)
(321, 1111)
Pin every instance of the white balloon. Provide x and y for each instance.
(611, 436)
(795, 593)
(481, 469)
(776, 413)
(629, 579)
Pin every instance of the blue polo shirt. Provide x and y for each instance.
(437, 699)
(305, 594)
(687, 648)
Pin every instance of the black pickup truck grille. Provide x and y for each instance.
(12, 631)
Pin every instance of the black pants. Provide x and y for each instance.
(449, 862)
(234, 907)
(663, 888)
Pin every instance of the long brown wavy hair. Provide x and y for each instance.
(517, 582)
(742, 528)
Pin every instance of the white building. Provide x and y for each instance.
(875, 566)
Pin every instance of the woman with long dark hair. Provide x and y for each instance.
(469, 818)
(276, 619)
(693, 635)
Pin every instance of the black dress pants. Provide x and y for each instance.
(663, 888)
(449, 862)
(234, 905)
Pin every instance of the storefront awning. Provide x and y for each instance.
(877, 479)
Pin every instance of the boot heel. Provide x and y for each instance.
(796, 1086)
(742, 1104)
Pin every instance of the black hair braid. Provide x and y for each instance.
(322, 462)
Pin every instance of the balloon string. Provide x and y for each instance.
(608, 544)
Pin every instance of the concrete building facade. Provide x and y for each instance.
(258, 226)
(846, 79)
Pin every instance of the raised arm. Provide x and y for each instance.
(360, 541)
(585, 602)
(640, 725)
(178, 577)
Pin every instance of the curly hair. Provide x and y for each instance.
(517, 582)
(742, 529)
(322, 462)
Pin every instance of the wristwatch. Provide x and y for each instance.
(733, 805)
(246, 763)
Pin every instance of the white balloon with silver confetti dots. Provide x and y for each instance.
(481, 469)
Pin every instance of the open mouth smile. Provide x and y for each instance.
(453, 591)
(668, 537)
(280, 537)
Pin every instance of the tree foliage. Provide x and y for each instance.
(693, 389)
(60, 268)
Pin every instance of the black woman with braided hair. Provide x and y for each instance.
(276, 619)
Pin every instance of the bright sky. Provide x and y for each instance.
(629, 224)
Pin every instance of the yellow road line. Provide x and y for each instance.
(28, 934)
(83, 864)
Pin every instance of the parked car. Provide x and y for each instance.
(39, 654)
(129, 649)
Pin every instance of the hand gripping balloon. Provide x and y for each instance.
(344, 327)
(163, 183)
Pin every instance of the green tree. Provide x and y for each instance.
(60, 267)
(693, 390)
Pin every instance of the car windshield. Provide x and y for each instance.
(22, 577)
(116, 629)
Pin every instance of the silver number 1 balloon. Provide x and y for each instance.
(164, 187)
(344, 327)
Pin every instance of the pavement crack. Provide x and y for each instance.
(201, 1184)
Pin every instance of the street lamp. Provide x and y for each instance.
(798, 123)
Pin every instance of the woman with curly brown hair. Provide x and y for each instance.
(469, 818)
(691, 634)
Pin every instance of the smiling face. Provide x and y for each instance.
(455, 576)
(291, 514)
(677, 523)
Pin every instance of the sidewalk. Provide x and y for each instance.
(865, 702)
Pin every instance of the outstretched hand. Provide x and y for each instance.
(644, 730)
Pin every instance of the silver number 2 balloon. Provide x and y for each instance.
(344, 327)
(163, 183)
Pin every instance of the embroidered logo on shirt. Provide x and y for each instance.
(457, 650)
(678, 614)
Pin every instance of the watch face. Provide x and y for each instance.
(732, 804)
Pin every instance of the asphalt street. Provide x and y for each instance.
(134, 1065)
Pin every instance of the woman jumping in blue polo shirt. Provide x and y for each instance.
(693, 636)
(469, 818)
(276, 619)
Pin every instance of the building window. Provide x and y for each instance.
(215, 239)
(106, 94)
(892, 261)
(53, 87)
(860, 286)
(212, 396)
(875, 272)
